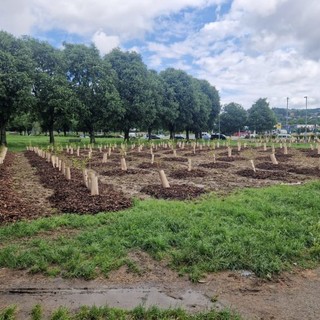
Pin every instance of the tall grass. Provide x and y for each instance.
(265, 230)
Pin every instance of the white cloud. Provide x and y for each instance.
(128, 18)
(257, 49)
(105, 43)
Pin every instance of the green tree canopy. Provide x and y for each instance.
(93, 81)
(133, 87)
(15, 81)
(260, 117)
(233, 118)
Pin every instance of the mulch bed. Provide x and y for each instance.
(231, 159)
(72, 196)
(177, 192)
(177, 159)
(271, 166)
(140, 154)
(272, 175)
(216, 165)
(12, 207)
(119, 172)
(149, 165)
(306, 171)
(185, 174)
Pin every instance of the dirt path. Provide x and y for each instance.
(27, 185)
(294, 296)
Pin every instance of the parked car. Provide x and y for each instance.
(218, 136)
(283, 136)
(206, 136)
(179, 136)
(153, 136)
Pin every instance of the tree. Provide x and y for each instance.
(208, 102)
(233, 118)
(15, 82)
(184, 95)
(93, 81)
(54, 96)
(260, 117)
(133, 87)
(152, 119)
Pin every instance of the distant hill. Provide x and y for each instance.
(297, 116)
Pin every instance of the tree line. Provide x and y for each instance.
(75, 88)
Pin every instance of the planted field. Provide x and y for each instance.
(250, 236)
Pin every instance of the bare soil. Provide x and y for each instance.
(28, 192)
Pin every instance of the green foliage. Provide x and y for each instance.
(8, 313)
(15, 81)
(134, 87)
(260, 117)
(36, 312)
(233, 118)
(263, 230)
(139, 313)
(93, 81)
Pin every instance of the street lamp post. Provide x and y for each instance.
(219, 125)
(305, 130)
(287, 114)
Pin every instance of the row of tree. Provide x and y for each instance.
(75, 88)
(259, 117)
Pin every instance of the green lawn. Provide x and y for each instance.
(265, 230)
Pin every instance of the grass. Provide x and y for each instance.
(265, 230)
(18, 143)
(139, 313)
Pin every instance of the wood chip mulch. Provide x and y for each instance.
(216, 165)
(185, 174)
(119, 172)
(177, 192)
(177, 159)
(72, 196)
(271, 175)
(12, 206)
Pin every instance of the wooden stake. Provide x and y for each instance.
(189, 165)
(152, 158)
(105, 158)
(273, 158)
(164, 180)
(252, 165)
(68, 173)
(94, 185)
(85, 177)
(229, 152)
(123, 164)
(264, 147)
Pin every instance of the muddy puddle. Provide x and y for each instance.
(125, 298)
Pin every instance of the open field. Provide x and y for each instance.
(235, 237)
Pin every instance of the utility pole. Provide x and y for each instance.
(305, 130)
(287, 127)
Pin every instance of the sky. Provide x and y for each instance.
(247, 49)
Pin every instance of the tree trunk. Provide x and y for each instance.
(3, 137)
(51, 136)
(126, 134)
(149, 133)
(92, 137)
(187, 134)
